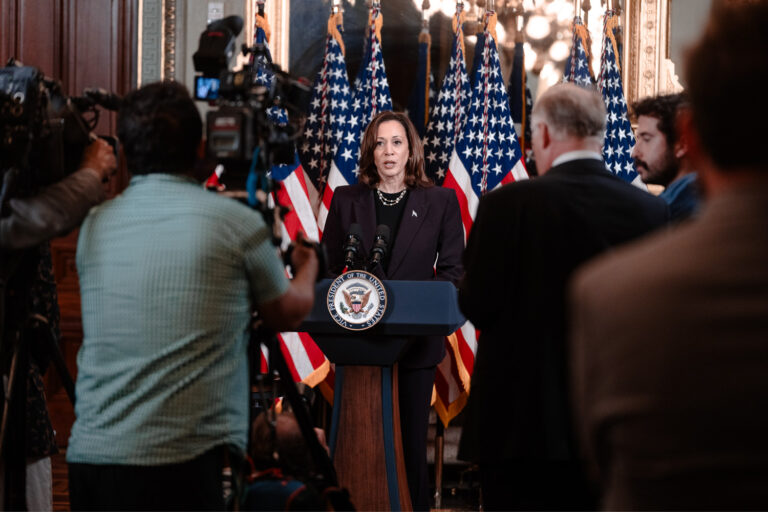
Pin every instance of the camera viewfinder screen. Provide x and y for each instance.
(206, 88)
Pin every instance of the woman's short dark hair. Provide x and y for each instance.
(414, 167)
(160, 129)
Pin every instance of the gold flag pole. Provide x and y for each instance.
(586, 6)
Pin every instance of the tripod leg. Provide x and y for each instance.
(61, 366)
(13, 431)
(319, 454)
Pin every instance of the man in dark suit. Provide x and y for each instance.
(527, 239)
(670, 360)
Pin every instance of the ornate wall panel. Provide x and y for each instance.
(650, 72)
(151, 46)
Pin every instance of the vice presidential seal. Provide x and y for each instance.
(357, 300)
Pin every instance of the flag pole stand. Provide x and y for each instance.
(439, 453)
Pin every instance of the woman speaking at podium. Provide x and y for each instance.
(426, 242)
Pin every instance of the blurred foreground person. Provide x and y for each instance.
(169, 276)
(670, 336)
(527, 239)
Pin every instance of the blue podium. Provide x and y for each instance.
(365, 437)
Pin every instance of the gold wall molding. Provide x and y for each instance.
(279, 15)
(651, 72)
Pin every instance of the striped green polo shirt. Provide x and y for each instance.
(169, 274)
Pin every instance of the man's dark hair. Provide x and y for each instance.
(727, 70)
(664, 108)
(160, 129)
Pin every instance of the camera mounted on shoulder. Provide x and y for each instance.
(254, 122)
(43, 132)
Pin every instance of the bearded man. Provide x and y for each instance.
(661, 154)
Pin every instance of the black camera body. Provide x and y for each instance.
(42, 131)
(241, 122)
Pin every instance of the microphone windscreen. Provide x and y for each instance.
(382, 230)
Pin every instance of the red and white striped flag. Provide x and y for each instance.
(487, 155)
(304, 358)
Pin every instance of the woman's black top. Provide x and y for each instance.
(389, 216)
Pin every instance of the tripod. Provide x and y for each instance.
(23, 326)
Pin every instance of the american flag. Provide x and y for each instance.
(423, 91)
(331, 100)
(306, 361)
(477, 55)
(487, 155)
(452, 378)
(448, 113)
(520, 101)
(370, 97)
(262, 62)
(619, 138)
(578, 69)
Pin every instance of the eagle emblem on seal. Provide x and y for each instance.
(356, 298)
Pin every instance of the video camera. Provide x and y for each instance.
(43, 133)
(248, 119)
(256, 122)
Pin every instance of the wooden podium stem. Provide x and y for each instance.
(366, 443)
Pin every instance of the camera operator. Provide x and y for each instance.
(60, 207)
(30, 289)
(170, 274)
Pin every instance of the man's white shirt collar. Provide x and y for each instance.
(576, 155)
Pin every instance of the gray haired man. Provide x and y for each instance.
(527, 239)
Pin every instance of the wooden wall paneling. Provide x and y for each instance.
(101, 39)
(37, 38)
(126, 19)
(7, 29)
(91, 36)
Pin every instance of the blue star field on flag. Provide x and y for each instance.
(370, 97)
(619, 139)
(488, 147)
(477, 55)
(447, 119)
(262, 62)
(577, 68)
(328, 113)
